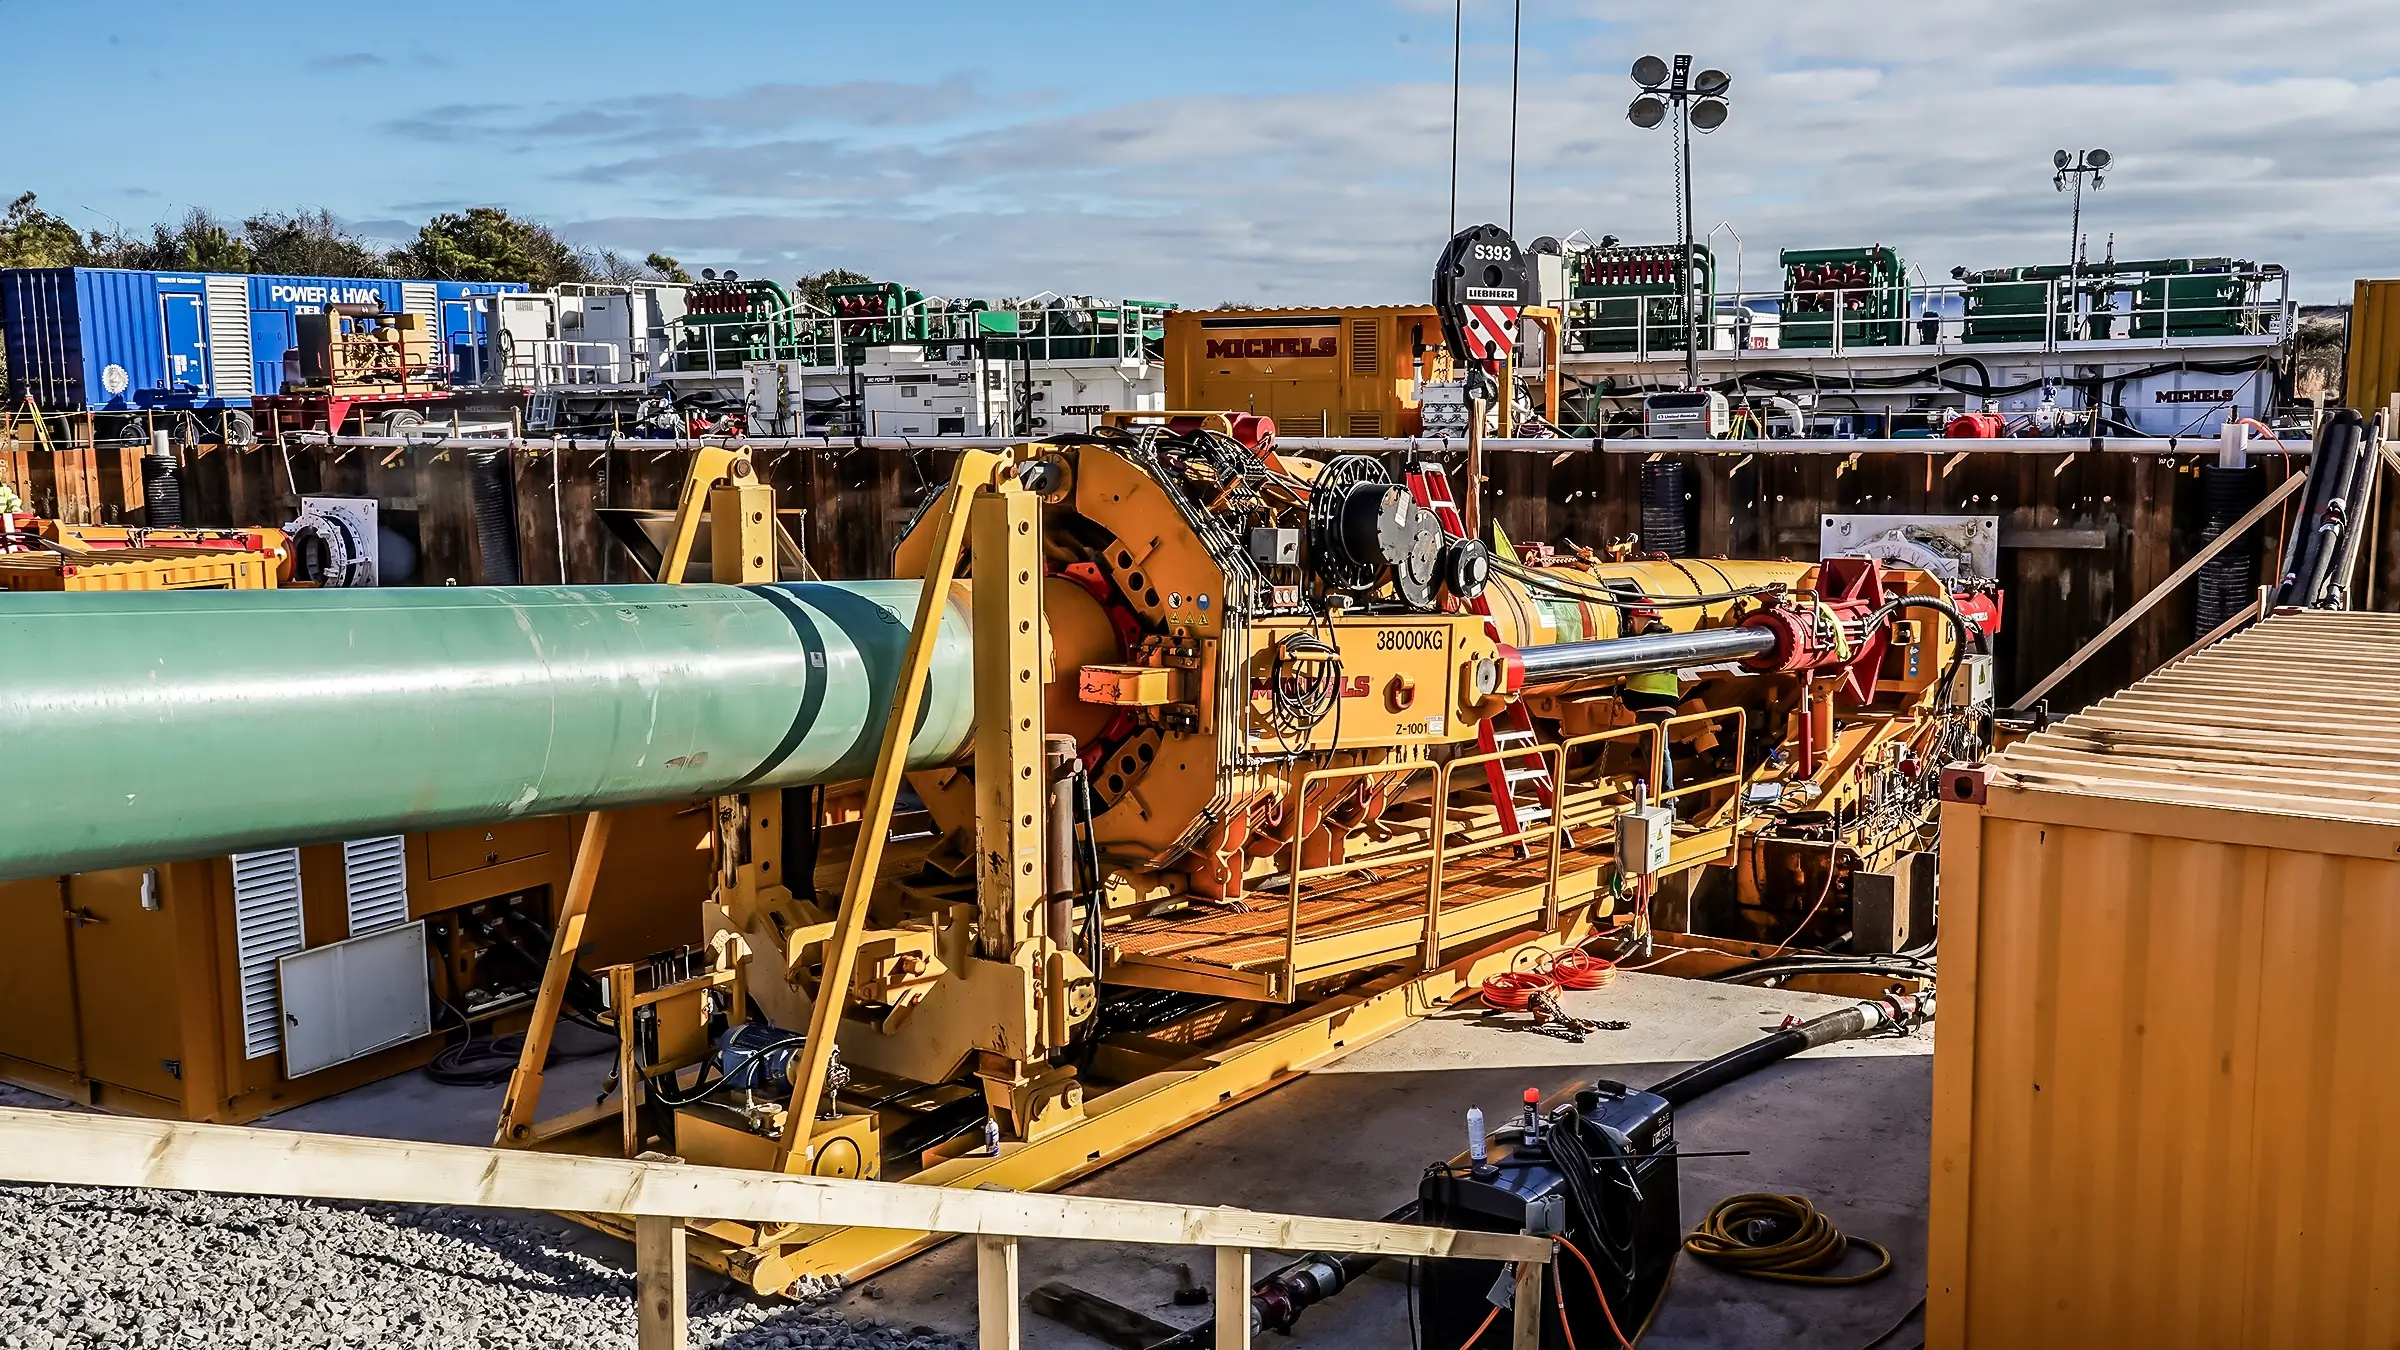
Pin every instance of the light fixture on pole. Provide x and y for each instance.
(2077, 166)
(1697, 101)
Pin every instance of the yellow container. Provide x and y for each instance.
(2167, 1090)
(138, 569)
(2371, 373)
(1339, 371)
(1317, 372)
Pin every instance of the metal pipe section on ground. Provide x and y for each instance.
(1566, 661)
(153, 726)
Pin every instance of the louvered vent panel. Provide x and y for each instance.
(376, 871)
(1366, 424)
(1301, 424)
(229, 371)
(266, 928)
(1366, 346)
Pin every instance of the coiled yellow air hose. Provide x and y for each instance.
(1812, 1247)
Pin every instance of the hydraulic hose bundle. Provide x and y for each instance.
(2324, 539)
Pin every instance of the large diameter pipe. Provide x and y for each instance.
(145, 727)
(1561, 662)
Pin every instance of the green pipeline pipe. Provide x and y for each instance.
(146, 727)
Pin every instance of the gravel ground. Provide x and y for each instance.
(90, 1267)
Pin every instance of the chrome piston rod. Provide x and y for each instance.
(1604, 657)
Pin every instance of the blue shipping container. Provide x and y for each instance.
(97, 339)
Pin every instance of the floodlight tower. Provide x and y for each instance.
(1698, 101)
(2078, 166)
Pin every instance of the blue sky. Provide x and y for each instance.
(1231, 150)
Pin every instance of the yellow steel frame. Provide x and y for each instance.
(1124, 1120)
(974, 469)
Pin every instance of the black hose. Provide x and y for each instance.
(491, 482)
(1707, 1076)
(1757, 971)
(1352, 1265)
(1958, 630)
(2354, 515)
(1542, 580)
(2330, 466)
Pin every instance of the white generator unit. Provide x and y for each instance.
(1691, 414)
(897, 391)
(1071, 395)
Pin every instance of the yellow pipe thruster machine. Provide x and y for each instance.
(1267, 757)
(1170, 768)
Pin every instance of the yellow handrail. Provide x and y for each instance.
(1298, 872)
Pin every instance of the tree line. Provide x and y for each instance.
(482, 243)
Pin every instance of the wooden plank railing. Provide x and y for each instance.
(78, 1149)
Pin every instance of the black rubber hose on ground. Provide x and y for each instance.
(1842, 1024)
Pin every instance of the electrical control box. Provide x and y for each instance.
(1275, 547)
(1973, 684)
(1645, 836)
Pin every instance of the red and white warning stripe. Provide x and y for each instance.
(1491, 331)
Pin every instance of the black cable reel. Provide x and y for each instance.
(1363, 526)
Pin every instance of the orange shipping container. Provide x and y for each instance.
(2166, 1088)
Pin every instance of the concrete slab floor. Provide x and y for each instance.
(1846, 1126)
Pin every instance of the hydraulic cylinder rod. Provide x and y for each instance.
(1602, 657)
(147, 727)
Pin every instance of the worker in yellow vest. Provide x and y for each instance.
(1653, 691)
(1653, 695)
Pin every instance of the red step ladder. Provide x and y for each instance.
(1521, 784)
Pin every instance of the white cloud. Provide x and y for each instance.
(1926, 126)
